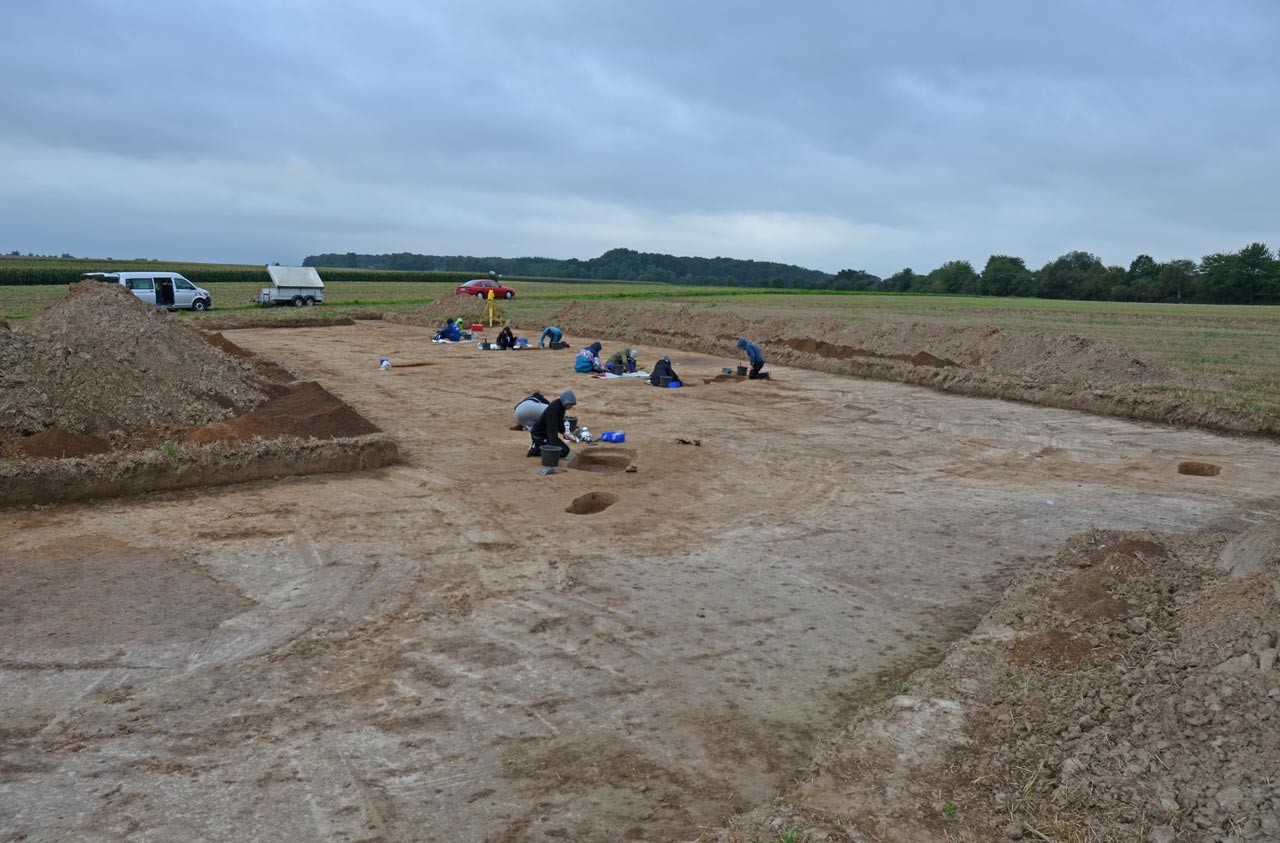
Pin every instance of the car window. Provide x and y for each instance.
(182, 284)
(140, 283)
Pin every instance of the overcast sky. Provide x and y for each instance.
(828, 134)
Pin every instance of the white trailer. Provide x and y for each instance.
(299, 286)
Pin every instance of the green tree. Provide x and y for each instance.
(1005, 275)
(954, 277)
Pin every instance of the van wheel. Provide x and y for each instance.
(507, 294)
(297, 301)
(199, 304)
(310, 302)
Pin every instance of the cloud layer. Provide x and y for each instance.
(829, 134)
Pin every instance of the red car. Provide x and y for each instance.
(480, 287)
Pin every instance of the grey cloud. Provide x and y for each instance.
(900, 134)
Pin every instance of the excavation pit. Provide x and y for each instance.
(612, 462)
(1199, 469)
(591, 503)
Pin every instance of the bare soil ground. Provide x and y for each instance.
(458, 647)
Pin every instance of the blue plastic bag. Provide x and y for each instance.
(613, 436)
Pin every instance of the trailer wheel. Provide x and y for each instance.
(297, 301)
(310, 301)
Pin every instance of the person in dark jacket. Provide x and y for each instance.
(506, 339)
(755, 357)
(662, 369)
(549, 426)
(450, 331)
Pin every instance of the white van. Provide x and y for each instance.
(162, 289)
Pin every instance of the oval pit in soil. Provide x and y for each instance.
(591, 503)
(1199, 469)
(602, 462)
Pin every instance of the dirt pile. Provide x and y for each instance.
(305, 410)
(447, 306)
(1125, 690)
(1056, 370)
(99, 360)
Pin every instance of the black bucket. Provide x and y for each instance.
(664, 380)
(572, 421)
(551, 455)
(742, 370)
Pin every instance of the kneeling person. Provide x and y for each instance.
(622, 361)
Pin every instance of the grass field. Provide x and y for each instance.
(1238, 345)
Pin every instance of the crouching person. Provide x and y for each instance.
(662, 369)
(622, 361)
(547, 429)
(528, 411)
(588, 359)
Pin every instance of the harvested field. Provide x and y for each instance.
(456, 645)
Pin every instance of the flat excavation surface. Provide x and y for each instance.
(457, 648)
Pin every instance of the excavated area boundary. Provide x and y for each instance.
(458, 645)
(1066, 371)
(1124, 690)
(112, 475)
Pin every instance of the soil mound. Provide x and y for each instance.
(305, 410)
(101, 360)
(1056, 370)
(1151, 720)
(56, 444)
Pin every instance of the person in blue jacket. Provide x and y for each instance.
(588, 359)
(757, 359)
(450, 331)
(551, 332)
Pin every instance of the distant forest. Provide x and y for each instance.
(1249, 276)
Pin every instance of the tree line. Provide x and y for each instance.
(613, 265)
(1249, 276)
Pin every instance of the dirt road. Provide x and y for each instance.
(441, 650)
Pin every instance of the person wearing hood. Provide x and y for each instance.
(755, 358)
(555, 335)
(622, 361)
(662, 369)
(506, 339)
(546, 430)
(588, 359)
(450, 331)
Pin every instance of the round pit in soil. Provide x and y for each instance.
(591, 503)
(601, 462)
(1199, 469)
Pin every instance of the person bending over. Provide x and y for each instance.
(528, 411)
(622, 361)
(506, 339)
(555, 335)
(547, 429)
(662, 369)
(588, 359)
(755, 357)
